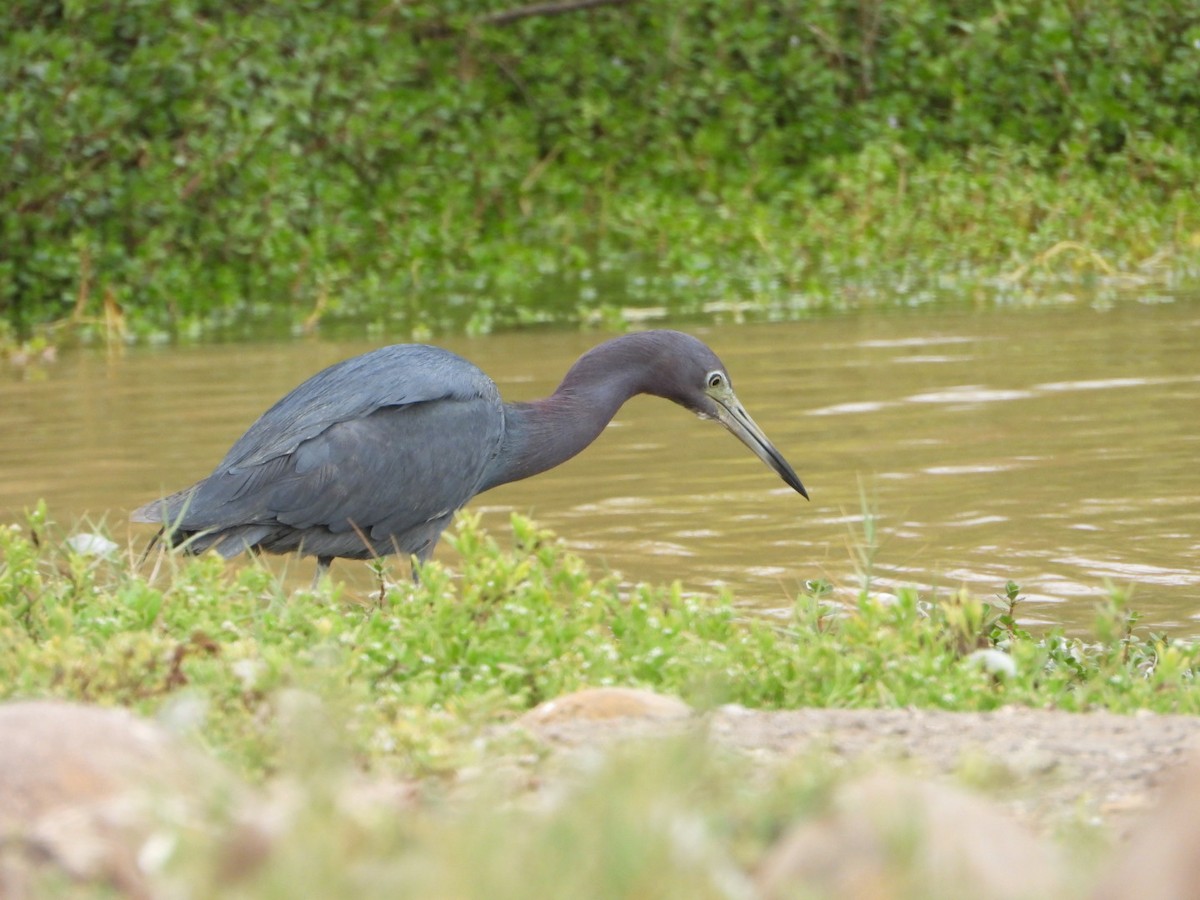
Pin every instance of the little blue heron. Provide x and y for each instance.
(375, 454)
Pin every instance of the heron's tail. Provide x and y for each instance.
(168, 510)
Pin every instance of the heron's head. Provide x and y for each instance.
(689, 373)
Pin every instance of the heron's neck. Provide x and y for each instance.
(544, 433)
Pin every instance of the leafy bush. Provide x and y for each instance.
(191, 167)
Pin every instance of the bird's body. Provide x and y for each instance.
(375, 454)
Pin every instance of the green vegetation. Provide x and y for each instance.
(184, 171)
(417, 671)
(317, 688)
(211, 168)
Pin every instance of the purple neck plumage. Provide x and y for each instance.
(544, 433)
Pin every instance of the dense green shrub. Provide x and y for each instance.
(207, 162)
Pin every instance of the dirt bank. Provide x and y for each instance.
(1048, 767)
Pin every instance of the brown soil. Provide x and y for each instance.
(1050, 768)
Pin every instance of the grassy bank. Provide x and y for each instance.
(415, 672)
(369, 720)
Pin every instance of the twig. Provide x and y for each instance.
(544, 9)
(507, 16)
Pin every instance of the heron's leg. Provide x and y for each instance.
(423, 551)
(323, 564)
(422, 556)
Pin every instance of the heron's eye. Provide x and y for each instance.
(715, 379)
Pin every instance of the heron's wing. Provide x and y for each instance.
(380, 476)
(400, 375)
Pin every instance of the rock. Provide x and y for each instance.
(893, 836)
(95, 794)
(88, 544)
(596, 704)
(1162, 860)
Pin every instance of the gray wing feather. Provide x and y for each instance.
(376, 479)
(353, 389)
(390, 472)
(379, 444)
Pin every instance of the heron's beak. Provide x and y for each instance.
(733, 416)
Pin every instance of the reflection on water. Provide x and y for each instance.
(1057, 448)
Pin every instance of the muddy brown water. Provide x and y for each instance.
(1055, 447)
